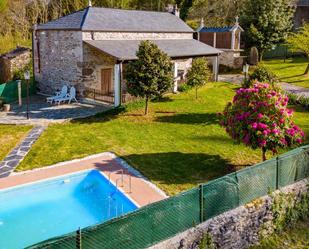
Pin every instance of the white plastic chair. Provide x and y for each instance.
(62, 94)
(69, 97)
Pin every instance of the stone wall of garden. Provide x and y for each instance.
(238, 228)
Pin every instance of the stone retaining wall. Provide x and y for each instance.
(238, 228)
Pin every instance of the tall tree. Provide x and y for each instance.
(300, 41)
(266, 22)
(151, 74)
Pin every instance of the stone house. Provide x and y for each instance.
(90, 48)
(13, 61)
(227, 39)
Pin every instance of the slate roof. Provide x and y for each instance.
(126, 49)
(106, 19)
(303, 3)
(216, 29)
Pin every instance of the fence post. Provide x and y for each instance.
(201, 203)
(277, 172)
(79, 239)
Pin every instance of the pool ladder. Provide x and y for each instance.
(121, 179)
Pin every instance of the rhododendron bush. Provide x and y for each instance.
(259, 117)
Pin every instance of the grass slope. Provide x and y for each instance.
(10, 136)
(291, 71)
(177, 146)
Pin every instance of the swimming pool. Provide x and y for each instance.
(35, 212)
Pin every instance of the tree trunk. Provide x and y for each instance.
(195, 92)
(307, 69)
(264, 154)
(146, 106)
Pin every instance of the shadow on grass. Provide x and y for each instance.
(214, 138)
(190, 118)
(179, 168)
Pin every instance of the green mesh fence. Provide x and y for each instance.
(9, 91)
(65, 242)
(220, 195)
(164, 219)
(147, 225)
(256, 181)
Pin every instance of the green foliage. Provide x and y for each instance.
(19, 74)
(206, 242)
(151, 74)
(266, 22)
(184, 88)
(261, 74)
(286, 211)
(199, 74)
(3, 5)
(300, 41)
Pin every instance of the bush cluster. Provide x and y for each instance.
(260, 74)
(259, 117)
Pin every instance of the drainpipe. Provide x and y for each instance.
(33, 36)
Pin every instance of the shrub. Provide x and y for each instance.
(259, 118)
(184, 88)
(199, 74)
(261, 74)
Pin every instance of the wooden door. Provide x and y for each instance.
(106, 81)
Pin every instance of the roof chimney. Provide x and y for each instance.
(202, 25)
(173, 9)
(89, 3)
(176, 11)
(237, 20)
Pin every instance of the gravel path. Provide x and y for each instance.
(238, 79)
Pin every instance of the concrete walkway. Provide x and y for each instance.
(134, 185)
(12, 160)
(290, 88)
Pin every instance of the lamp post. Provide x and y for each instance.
(27, 78)
(245, 70)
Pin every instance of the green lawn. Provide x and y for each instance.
(293, 238)
(291, 71)
(10, 136)
(178, 146)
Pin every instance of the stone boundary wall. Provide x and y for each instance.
(235, 229)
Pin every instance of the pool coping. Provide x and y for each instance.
(109, 164)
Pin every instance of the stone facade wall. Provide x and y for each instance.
(235, 229)
(134, 36)
(91, 67)
(57, 56)
(231, 59)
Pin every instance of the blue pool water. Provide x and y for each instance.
(36, 212)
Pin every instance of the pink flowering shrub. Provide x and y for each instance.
(259, 117)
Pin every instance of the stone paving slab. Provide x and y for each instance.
(42, 113)
(12, 160)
